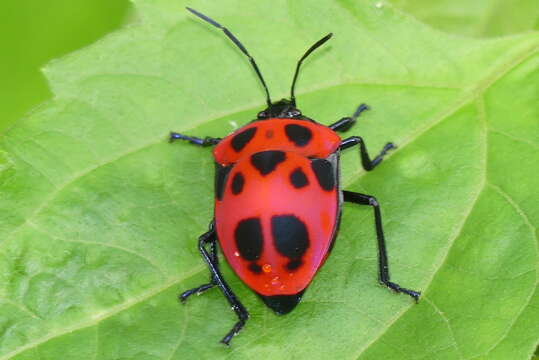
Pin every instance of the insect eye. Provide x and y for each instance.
(262, 115)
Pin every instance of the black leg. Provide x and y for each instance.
(362, 199)
(366, 161)
(207, 141)
(217, 279)
(202, 288)
(347, 122)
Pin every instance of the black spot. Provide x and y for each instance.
(221, 173)
(298, 178)
(282, 304)
(289, 236)
(299, 135)
(237, 183)
(267, 161)
(249, 239)
(324, 173)
(240, 140)
(254, 267)
(294, 264)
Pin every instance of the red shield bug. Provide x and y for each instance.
(278, 200)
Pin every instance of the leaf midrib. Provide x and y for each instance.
(467, 96)
(153, 141)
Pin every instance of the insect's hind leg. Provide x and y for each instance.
(362, 199)
(207, 141)
(346, 123)
(210, 237)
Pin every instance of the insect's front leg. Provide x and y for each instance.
(207, 141)
(346, 123)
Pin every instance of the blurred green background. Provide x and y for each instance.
(32, 32)
(479, 19)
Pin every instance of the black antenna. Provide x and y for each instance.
(307, 53)
(238, 44)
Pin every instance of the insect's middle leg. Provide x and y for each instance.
(366, 161)
(207, 141)
(210, 237)
(362, 199)
(347, 122)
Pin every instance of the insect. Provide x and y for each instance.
(278, 200)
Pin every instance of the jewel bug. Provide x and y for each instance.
(278, 200)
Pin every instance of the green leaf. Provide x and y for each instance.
(101, 215)
(487, 18)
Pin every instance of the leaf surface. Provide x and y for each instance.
(102, 214)
(488, 18)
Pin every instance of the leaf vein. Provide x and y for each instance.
(522, 214)
(181, 336)
(108, 245)
(20, 307)
(535, 145)
(448, 323)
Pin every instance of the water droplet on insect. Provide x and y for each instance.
(266, 268)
